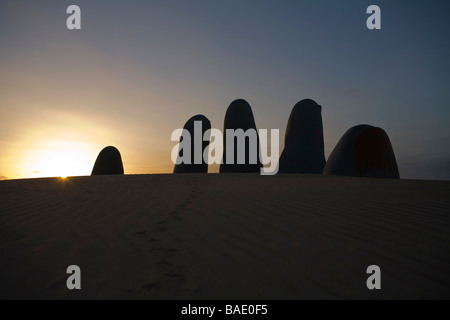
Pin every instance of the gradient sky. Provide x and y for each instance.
(137, 70)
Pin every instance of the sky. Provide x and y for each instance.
(137, 70)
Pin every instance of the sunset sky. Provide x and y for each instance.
(137, 70)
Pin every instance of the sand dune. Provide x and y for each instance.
(231, 236)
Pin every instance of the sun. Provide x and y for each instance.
(61, 163)
(61, 159)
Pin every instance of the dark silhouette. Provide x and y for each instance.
(303, 146)
(239, 115)
(108, 161)
(192, 167)
(363, 151)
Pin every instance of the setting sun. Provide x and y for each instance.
(60, 159)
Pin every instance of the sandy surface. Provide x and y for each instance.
(224, 237)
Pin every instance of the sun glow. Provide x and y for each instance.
(61, 159)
